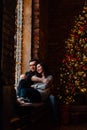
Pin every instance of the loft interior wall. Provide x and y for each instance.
(8, 31)
(60, 20)
(43, 30)
(27, 32)
(56, 18)
(7, 61)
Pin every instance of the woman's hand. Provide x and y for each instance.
(45, 80)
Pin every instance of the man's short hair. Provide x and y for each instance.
(34, 60)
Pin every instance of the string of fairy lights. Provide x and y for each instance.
(18, 39)
(73, 73)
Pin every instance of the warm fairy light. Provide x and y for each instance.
(18, 40)
(73, 73)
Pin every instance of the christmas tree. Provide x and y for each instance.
(73, 72)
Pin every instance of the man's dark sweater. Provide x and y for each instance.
(24, 88)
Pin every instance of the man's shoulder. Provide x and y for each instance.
(29, 73)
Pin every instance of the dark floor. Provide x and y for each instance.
(81, 126)
(76, 120)
(51, 126)
(61, 127)
(73, 127)
(47, 124)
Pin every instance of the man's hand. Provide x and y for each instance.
(22, 76)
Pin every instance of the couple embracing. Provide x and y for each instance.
(32, 84)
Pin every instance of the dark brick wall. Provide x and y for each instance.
(60, 20)
(43, 29)
(8, 31)
(7, 62)
(52, 21)
(0, 63)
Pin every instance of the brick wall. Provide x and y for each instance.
(60, 20)
(52, 21)
(7, 62)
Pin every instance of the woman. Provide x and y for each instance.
(46, 85)
(47, 81)
(47, 78)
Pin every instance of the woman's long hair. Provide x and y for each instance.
(46, 73)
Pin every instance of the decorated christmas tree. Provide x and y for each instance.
(73, 72)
